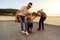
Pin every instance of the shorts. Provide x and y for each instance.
(30, 25)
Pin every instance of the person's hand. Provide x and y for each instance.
(16, 19)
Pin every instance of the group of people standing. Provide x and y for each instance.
(23, 16)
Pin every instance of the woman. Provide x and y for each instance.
(42, 16)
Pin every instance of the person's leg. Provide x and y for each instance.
(30, 27)
(26, 29)
(40, 24)
(43, 19)
(20, 20)
(30, 30)
(26, 26)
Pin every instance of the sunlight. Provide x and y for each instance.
(51, 7)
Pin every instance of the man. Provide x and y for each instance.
(42, 15)
(21, 14)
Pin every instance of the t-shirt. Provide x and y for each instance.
(24, 11)
(43, 14)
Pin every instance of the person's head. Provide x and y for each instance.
(29, 5)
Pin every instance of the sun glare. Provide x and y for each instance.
(50, 7)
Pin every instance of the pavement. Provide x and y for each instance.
(9, 30)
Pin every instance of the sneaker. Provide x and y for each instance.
(43, 29)
(23, 31)
(39, 29)
(27, 33)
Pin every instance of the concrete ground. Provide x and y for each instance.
(9, 30)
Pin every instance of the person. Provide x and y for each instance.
(21, 16)
(29, 19)
(42, 15)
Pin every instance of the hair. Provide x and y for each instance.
(30, 3)
(39, 11)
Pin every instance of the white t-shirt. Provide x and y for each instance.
(24, 11)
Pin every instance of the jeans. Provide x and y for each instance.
(22, 19)
(41, 22)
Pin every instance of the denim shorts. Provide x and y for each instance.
(30, 25)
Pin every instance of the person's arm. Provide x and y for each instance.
(17, 12)
(16, 20)
(33, 17)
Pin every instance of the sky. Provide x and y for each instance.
(51, 7)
